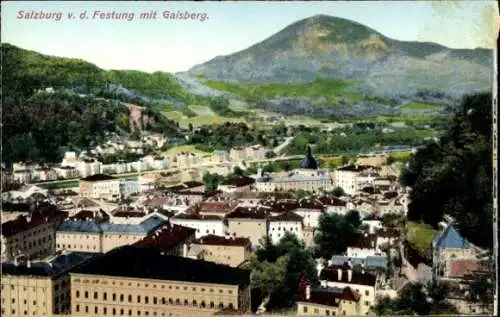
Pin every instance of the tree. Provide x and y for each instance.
(338, 192)
(335, 231)
(237, 171)
(190, 127)
(211, 181)
(270, 154)
(433, 173)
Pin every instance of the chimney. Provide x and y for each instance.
(28, 264)
(349, 275)
(339, 273)
(16, 262)
(308, 292)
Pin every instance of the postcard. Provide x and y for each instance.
(237, 158)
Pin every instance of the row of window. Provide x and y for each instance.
(68, 246)
(114, 311)
(146, 298)
(146, 286)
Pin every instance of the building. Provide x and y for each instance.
(248, 222)
(150, 283)
(32, 236)
(70, 159)
(237, 184)
(92, 236)
(350, 179)
(67, 172)
(249, 153)
(370, 262)
(88, 167)
(283, 223)
(327, 301)
(204, 224)
(364, 283)
(129, 187)
(222, 156)
(38, 288)
(449, 245)
(170, 239)
(100, 186)
(214, 208)
(225, 250)
(334, 204)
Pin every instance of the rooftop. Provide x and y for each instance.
(369, 261)
(450, 238)
(35, 219)
(146, 226)
(309, 162)
(167, 237)
(196, 216)
(98, 178)
(239, 181)
(55, 267)
(331, 296)
(149, 263)
(462, 267)
(287, 216)
(249, 213)
(222, 240)
(331, 274)
(354, 168)
(332, 201)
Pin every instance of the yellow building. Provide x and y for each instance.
(136, 281)
(248, 222)
(328, 301)
(38, 288)
(226, 250)
(100, 186)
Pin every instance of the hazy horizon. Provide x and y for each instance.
(177, 45)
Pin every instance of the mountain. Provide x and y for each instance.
(333, 48)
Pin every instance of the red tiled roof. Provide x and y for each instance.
(167, 237)
(463, 267)
(220, 240)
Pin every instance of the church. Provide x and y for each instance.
(308, 177)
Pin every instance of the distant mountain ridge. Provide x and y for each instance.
(331, 47)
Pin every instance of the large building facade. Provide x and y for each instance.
(149, 283)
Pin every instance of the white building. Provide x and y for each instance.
(204, 224)
(285, 222)
(88, 167)
(347, 176)
(363, 245)
(310, 210)
(100, 186)
(70, 159)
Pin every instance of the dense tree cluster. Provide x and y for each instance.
(225, 136)
(454, 176)
(420, 299)
(335, 231)
(40, 126)
(277, 270)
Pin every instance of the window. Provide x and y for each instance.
(86, 294)
(155, 300)
(130, 298)
(104, 310)
(186, 302)
(95, 295)
(122, 312)
(96, 310)
(114, 311)
(305, 309)
(77, 308)
(121, 297)
(130, 312)
(212, 305)
(194, 302)
(230, 291)
(114, 296)
(316, 311)
(105, 296)
(177, 301)
(86, 309)
(367, 293)
(138, 298)
(146, 299)
(367, 303)
(327, 312)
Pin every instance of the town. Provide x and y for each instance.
(188, 248)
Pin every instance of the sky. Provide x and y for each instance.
(176, 45)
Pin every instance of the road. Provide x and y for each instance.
(282, 146)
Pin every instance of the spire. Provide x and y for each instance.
(309, 153)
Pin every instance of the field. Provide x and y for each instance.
(184, 148)
(328, 89)
(420, 237)
(198, 120)
(422, 106)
